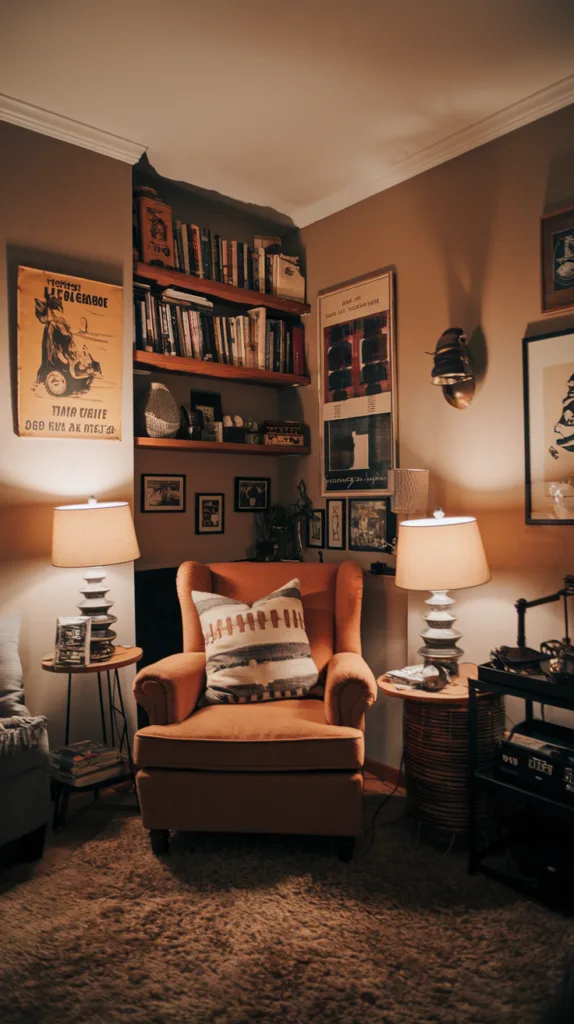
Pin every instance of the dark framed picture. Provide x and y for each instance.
(548, 367)
(337, 524)
(162, 493)
(208, 403)
(372, 524)
(252, 493)
(209, 513)
(316, 529)
(557, 231)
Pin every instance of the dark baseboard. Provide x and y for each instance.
(385, 772)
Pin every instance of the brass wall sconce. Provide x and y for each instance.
(452, 369)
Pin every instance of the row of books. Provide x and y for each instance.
(179, 324)
(203, 253)
(86, 762)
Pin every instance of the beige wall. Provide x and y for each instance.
(69, 210)
(464, 240)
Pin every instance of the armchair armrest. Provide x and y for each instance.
(169, 689)
(350, 689)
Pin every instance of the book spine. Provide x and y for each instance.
(138, 329)
(185, 249)
(240, 266)
(206, 253)
(268, 274)
(156, 326)
(298, 345)
(215, 257)
(234, 274)
(288, 351)
(246, 266)
(174, 334)
(218, 340)
(196, 239)
(180, 332)
(191, 251)
(165, 338)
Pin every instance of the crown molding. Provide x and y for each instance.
(64, 128)
(547, 101)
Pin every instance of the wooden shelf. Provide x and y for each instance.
(226, 292)
(218, 371)
(216, 447)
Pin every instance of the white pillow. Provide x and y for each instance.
(258, 652)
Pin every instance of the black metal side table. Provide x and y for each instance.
(532, 690)
(119, 733)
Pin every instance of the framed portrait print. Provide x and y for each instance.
(372, 524)
(209, 513)
(208, 403)
(316, 529)
(162, 493)
(548, 367)
(252, 494)
(337, 524)
(357, 386)
(557, 231)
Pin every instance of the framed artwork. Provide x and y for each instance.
(69, 357)
(548, 367)
(208, 403)
(357, 386)
(372, 524)
(252, 493)
(557, 231)
(209, 513)
(316, 529)
(337, 524)
(162, 493)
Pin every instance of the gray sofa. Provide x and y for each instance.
(24, 778)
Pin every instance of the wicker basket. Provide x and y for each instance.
(162, 413)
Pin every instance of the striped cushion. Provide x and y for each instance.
(257, 652)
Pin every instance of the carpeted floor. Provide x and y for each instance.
(242, 929)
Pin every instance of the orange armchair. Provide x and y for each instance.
(290, 766)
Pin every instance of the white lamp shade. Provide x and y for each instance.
(410, 491)
(440, 554)
(93, 534)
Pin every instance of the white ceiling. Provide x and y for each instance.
(305, 106)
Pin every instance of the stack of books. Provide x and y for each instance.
(181, 324)
(203, 253)
(84, 763)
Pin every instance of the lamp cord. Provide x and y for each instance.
(370, 829)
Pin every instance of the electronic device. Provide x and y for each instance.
(539, 756)
(555, 658)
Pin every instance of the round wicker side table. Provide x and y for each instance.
(435, 734)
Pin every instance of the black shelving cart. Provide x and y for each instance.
(533, 689)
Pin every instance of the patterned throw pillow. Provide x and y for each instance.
(258, 652)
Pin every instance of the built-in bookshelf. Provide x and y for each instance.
(217, 447)
(216, 371)
(166, 278)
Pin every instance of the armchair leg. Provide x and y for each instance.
(345, 848)
(159, 838)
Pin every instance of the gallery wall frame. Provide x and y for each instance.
(252, 493)
(316, 529)
(162, 492)
(209, 513)
(557, 261)
(336, 524)
(548, 379)
(372, 525)
(358, 385)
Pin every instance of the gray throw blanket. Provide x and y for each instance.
(20, 731)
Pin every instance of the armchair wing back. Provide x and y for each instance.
(331, 594)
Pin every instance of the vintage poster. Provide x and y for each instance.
(549, 421)
(358, 386)
(69, 356)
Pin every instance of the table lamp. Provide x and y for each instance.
(440, 554)
(91, 536)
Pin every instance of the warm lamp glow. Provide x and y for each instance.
(440, 554)
(93, 534)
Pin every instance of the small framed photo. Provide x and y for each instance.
(209, 513)
(252, 493)
(372, 524)
(208, 403)
(162, 493)
(557, 261)
(337, 524)
(316, 529)
(548, 362)
(73, 634)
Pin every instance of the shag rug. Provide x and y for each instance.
(242, 929)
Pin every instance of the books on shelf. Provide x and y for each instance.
(86, 762)
(178, 323)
